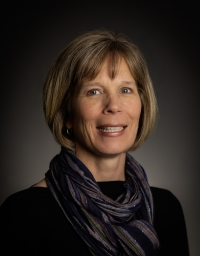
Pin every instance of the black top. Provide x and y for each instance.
(32, 223)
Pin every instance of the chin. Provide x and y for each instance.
(112, 151)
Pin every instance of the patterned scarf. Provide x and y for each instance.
(108, 227)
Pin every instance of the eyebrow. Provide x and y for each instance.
(90, 83)
(129, 82)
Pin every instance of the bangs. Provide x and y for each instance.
(90, 67)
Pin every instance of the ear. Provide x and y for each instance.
(68, 124)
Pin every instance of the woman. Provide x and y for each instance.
(95, 198)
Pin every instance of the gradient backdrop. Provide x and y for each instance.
(167, 32)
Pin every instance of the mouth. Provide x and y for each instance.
(112, 128)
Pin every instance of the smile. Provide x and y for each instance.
(111, 129)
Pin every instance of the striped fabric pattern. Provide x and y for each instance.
(108, 227)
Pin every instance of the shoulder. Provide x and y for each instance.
(23, 194)
(26, 206)
(29, 203)
(28, 219)
(33, 223)
(34, 207)
(27, 197)
(167, 206)
(163, 197)
(161, 191)
(169, 223)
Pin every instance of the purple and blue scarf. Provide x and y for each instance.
(108, 227)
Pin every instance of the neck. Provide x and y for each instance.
(109, 168)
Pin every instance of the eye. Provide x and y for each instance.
(125, 90)
(93, 92)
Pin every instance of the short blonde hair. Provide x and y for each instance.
(83, 59)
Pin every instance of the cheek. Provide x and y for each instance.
(84, 113)
(138, 110)
(134, 110)
(88, 109)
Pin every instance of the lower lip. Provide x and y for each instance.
(111, 134)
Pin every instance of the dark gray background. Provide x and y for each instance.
(167, 32)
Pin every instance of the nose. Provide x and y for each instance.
(112, 104)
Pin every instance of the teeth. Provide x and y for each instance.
(111, 129)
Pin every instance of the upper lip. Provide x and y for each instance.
(111, 125)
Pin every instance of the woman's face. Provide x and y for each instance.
(106, 113)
